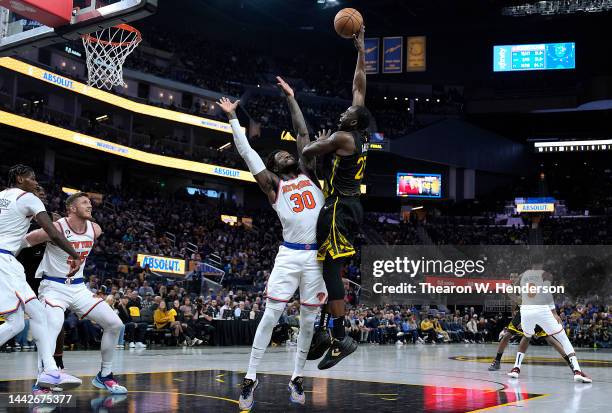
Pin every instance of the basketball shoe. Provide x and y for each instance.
(321, 341)
(514, 373)
(246, 400)
(580, 377)
(338, 350)
(296, 387)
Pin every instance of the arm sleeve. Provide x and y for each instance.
(29, 204)
(252, 159)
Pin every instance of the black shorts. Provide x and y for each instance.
(338, 225)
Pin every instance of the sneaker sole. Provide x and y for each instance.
(582, 380)
(248, 409)
(292, 400)
(63, 386)
(101, 386)
(337, 360)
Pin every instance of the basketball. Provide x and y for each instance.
(348, 22)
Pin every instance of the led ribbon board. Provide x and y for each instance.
(83, 89)
(91, 142)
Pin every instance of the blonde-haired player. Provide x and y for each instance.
(61, 293)
(18, 205)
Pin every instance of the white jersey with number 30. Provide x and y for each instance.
(298, 202)
(56, 262)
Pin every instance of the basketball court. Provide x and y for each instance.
(391, 378)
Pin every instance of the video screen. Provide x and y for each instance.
(412, 185)
(544, 56)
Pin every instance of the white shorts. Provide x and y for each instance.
(540, 315)
(14, 289)
(293, 269)
(74, 297)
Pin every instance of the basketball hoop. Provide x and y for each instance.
(106, 52)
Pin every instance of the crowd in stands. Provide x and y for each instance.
(189, 227)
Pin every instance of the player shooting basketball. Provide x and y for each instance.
(344, 155)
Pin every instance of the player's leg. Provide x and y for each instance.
(346, 221)
(45, 323)
(342, 345)
(58, 354)
(520, 356)
(274, 309)
(501, 347)
(312, 294)
(554, 343)
(105, 317)
(553, 328)
(14, 323)
(568, 349)
(282, 284)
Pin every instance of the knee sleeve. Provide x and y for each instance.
(308, 316)
(106, 318)
(332, 275)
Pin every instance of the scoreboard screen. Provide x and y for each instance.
(545, 56)
(419, 185)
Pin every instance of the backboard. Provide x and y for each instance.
(28, 24)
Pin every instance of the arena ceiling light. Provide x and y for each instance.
(553, 7)
(574, 146)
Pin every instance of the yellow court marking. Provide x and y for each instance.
(378, 394)
(533, 359)
(384, 398)
(508, 404)
(207, 396)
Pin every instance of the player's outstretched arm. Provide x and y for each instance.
(267, 181)
(359, 80)
(299, 125)
(38, 236)
(58, 239)
(328, 142)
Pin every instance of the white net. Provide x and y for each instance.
(106, 51)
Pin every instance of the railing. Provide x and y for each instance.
(171, 237)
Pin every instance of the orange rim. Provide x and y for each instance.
(92, 39)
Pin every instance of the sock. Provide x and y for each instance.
(107, 368)
(263, 336)
(574, 363)
(519, 359)
(59, 361)
(498, 356)
(307, 319)
(569, 363)
(324, 321)
(338, 331)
